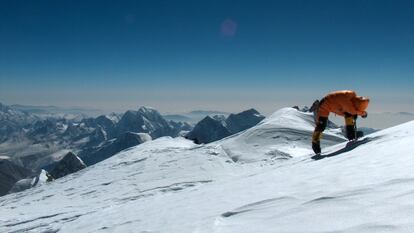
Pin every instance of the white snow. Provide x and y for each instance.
(144, 137)
(283, 135)
(4, 157)
(172, 185)
(31, 182)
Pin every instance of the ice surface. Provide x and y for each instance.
(172, 185)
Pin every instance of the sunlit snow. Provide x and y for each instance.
(260, 180)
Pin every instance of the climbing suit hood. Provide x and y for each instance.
(360, 103)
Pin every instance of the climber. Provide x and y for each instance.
(343, 103)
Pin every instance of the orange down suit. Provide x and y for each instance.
(343, 103)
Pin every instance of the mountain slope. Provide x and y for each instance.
(173, 185)
(363, 189)
(286, 133)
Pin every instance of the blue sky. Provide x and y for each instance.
(224, 55)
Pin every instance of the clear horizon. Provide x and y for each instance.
(136, 107)
(376, 120)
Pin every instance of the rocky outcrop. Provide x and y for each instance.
(70, 163)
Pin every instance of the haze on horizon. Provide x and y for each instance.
(182, 55)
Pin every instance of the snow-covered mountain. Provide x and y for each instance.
(12, 122)
(35, 143)
(172, 185)
(214, 128)
(194, 117)
(57, 112)
(145, 120)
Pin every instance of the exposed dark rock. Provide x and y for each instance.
(10, 173)
(70, 163)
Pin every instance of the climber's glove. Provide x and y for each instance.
(364, 115)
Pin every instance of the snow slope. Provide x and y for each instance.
(286, 133)
(172, 185)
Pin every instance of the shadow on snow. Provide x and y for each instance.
(349, 146)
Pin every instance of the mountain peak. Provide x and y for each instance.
(147, 110)
(145, 120)
(251, 111)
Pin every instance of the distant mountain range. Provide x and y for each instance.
(32, 140)
(194, 116)
(53, 139)
(53, 111)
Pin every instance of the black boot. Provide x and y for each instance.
(316, 147)
(350, 132)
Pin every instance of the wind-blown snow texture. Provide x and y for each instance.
(172, 185)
